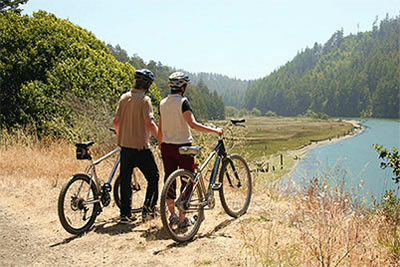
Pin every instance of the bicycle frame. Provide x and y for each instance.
(219, 151)
(91, 169)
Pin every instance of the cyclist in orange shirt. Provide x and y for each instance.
(134, 122)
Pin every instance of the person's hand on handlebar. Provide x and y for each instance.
(220, 131)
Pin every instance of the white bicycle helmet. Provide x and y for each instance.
(178, 79)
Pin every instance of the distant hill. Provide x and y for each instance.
(231, 89)
(351, 76)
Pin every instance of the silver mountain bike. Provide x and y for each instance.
(83, 197)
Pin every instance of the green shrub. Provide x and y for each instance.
(48, 66)
(316, 115)
(270, 113)
(390, 203)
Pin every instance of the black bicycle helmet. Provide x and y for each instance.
(144, 74)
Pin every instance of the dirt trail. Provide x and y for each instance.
(31, 235)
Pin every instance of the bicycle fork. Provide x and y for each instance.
(235, 175)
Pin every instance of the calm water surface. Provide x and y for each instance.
(354, 161)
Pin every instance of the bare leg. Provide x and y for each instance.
(171, 209)
(171, 206)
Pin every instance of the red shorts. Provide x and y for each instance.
(172, 161)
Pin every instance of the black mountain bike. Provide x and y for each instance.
(185, 191)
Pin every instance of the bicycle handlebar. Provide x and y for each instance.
(236, 121)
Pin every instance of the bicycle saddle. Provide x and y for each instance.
(189, 150)
(85, 144)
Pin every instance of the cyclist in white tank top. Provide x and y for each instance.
(176, 130)
(175, 121)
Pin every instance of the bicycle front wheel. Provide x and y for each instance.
(181, 206)
(235, 193)
(77, 209)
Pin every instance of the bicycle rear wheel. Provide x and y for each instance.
(181, 196)
(235, 193)
(76, 209)
(117, 193)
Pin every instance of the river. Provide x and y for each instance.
(353, 161)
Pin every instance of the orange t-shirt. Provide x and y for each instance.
(134, 108)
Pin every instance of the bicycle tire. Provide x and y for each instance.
(116, 194)
(194, 207)
(235, 193)
(75, 203)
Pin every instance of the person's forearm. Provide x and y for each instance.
(152, 127)
(200, 127)
(116, 125)
(189, 117)
(160, 135)
(154, 130)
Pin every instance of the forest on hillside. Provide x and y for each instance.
(211, 84)
(351, 76)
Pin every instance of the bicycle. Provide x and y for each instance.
(82, 197)
(234, 186)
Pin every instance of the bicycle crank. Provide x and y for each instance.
(105, 195)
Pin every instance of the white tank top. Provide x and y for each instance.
(175, 129)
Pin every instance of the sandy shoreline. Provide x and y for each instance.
(357, 129)
(299, 153)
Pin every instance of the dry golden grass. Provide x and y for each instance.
(53, 163)
(319, 227)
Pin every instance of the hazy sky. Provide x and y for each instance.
(245, 39)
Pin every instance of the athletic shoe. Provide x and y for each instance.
(186, 222)
(126, 219)
(173, 219)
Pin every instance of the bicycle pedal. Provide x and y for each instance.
(216, 186)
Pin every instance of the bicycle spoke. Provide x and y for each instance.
(77, 205)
